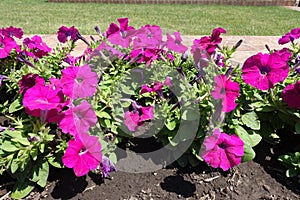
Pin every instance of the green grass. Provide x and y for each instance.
(42, 17)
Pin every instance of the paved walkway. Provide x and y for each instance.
(250, 46)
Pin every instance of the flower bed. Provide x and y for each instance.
(77, 112)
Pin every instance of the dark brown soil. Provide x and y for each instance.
(263, 178)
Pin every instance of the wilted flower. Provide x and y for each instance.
(263, 71)
(83, 154)
(291, 95)
(106, 166)
(223, 150)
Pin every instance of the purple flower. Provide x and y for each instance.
(6, 45)
(131, 120)
(2, 77)
(106, 166)
(227, 91)
(290, 36)
(83, 154)
(113, 28)
(37, 46)
(263, 71)
(2, 128)
(291, 95)
(223, 150)
(175, 44)
(65, 33)
(78, 119)
(12, 32)
(28, 81)
(145, 55)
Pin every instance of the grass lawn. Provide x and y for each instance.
(42, 17)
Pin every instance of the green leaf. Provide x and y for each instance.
(251, 120)
(297, 127)
(34, 153)
(171, 125)
(14, 166)
(190, 115)
(113, 158)
(291, 172)
(22, 189)
(249, 153)
(55, 162)
(252, 139)
(41, 173)
(15, 106)
(103, 115)
(9, 146)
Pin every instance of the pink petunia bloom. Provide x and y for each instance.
(175, 44)
(6, 45)
(290, 36)
(113, 28)
(145, 55)
(12, 32)
(49, 116)
(285, 54)
(43, 98)
(223, 150)
(79, 82)
(157, 86)
(291, 95)
(28, 81)
(107, 50)
(78, 119)
(64, 34)
(263, 71)
(83, 154)
(37, 46)
(131, 120)
(136, 118)
(209, 43)
(226, 90)
(148, 36)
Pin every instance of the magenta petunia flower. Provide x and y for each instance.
(263, 71)
(106, 49)
(223, 150)
(175, 44)
(12, 32)
(145, 55)
(208, 43)
(83, 154)
(64, 34)
(226, 90)
(114, 28)
(291, 95)
(43, 98)
(6, 45)
(37, 46)
(131, 120)
(79, 82)
(148, 36)
(28, 81)
(136, 118)
(290, 36)
(78, 119)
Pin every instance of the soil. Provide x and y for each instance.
(263, 178)
(260, 179)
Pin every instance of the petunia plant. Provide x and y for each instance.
(74, 112)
